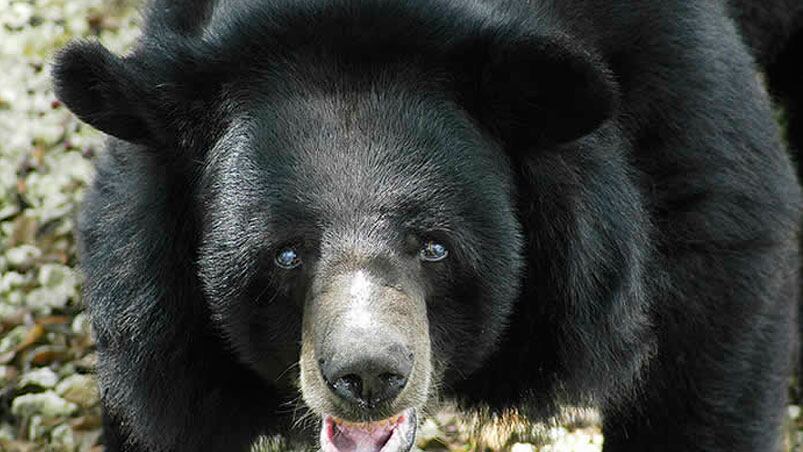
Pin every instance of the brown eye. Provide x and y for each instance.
(288, 259)
(433, 251)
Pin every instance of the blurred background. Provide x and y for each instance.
(48, 398)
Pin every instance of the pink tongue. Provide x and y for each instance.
(353, 439)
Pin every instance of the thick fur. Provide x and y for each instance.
(624, 213)
(774, 31)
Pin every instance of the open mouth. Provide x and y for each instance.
(395, 434)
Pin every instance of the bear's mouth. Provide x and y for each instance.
(395, 434)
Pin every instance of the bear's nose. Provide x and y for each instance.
(367, 378)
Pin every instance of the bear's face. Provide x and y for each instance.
(371, 222)
(352, 193)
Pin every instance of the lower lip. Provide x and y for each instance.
(392, 425)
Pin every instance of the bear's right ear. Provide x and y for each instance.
(535, 89)
(103, 90)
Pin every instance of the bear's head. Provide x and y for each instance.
(356, 173)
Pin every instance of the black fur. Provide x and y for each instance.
(774, 31)
(623, 213)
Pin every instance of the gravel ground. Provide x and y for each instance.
(48, 398)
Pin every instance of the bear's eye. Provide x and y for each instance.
(288, 259)
(433, 251)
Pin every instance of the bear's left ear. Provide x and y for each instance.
(104, 91)
(541, 90)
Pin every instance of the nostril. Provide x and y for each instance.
(352, 381)
(393, 380)
(392, 384)
(349, 387)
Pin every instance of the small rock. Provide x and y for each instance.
(79, 389)
(522, 447)
(43, 378)
(25, 228)
(44, 300)
(429, 436)
(18, 446)
(67, 369)
(13, 299)
(428, 430)
(6, 432)
(87, 422)
(81, 325)
(62, 439)
(45, 355)
(36, 429)
(32, 336)
(7, 375)
(12, 280)
(555, 434)
(88, 440)
(55, 275)
(58, 283)
(47, 403)
(88, 363)
(23, 256)
(13, 338)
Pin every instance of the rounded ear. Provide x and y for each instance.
(542, 90)
(102, 90)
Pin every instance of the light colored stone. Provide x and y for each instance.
(7, 431)
(58, 286)
(43, 378)
(7, 374)
(12, 338)
(556, 433)
(522, 447)
(55, 275)
(62, 439)
(36, 429)
(47, 404)
(79, 389)
(81, 324)
(12, 280)
(23, 256)
(428, 430)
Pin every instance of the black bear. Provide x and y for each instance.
(351, 209)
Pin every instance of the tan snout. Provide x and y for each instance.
(365, 349)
